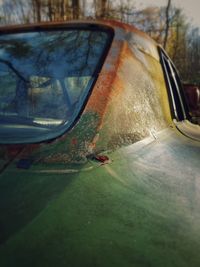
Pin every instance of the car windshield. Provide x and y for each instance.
(45, 78)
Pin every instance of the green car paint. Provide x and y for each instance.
(124, 213)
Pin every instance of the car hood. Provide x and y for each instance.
(139, 208)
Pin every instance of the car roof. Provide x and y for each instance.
(142, 40)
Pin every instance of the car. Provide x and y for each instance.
(100, 151)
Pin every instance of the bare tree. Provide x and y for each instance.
(37, 9)
(50, 10)
(75, 9)
(193, 56)
(101, 8)
(167, 23)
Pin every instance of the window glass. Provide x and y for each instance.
(192, 96)
(175, 91)
(45, 78)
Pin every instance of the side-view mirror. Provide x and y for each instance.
(192, 96)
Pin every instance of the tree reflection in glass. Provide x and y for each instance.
(46, 76)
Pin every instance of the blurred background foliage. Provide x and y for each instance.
(168, 25)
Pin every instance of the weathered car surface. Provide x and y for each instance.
(99, 151)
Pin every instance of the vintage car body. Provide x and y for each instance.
(121, 185)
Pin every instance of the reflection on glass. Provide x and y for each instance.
(44, 80)
(192, 96)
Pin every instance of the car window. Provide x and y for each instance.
(192, 95)
(45, 78)
(175, 91)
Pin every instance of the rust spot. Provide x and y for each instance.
(101, 158)
(74, 141)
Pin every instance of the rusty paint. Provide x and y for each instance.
(74, 141)
(102, 158)
(103, 87)
(109, 83)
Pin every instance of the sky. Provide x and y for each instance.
(191, 7)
